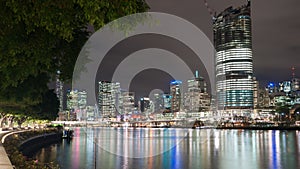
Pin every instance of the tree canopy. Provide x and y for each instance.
(39, 37)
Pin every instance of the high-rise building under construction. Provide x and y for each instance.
(234, 68)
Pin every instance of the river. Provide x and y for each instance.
(171, 148)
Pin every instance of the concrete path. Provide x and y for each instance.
(4, 160)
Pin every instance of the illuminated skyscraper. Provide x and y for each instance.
(296, 89)
(167, 102)
(175, 92)
(144, 104)
(59, 90)
(295, 84)
(127, 103)
(109, 95)
(196, 99)
(76, 104)
(255, 92)
(158, 102)
(234, 69)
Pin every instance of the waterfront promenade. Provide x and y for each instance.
(4, 160)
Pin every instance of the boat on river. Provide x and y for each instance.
(67, 133)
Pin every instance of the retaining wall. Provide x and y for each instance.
(30, 146)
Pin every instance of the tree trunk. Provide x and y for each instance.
(20, 121)
(11, 121)
(3, 116)
(1, 121)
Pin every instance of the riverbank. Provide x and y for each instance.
(19, 144)
(33, 144)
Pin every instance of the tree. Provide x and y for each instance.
(22, 97)
(46, 36)
(49, 106)
(37, 38)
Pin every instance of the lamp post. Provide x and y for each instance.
(95, 154)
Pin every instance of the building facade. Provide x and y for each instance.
(295, 84)
(196, 99)
(176, 95)
(109, 94)
(158, 103)
(167, 98)
(255, 92)
(127, 106)
(234, 68)
(76, 104)
(144, 104)
(59, 91)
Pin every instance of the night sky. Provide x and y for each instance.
(275, 39)
(275, 31)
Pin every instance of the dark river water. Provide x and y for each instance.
(146, 148)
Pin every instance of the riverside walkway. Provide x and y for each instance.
(4, 160)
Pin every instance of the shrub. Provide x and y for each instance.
(17, 159)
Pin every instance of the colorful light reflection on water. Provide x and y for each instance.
(205, 148)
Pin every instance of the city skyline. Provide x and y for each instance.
(265, 67)
(176, 84)
(275, 44)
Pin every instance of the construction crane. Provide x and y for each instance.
(211, 11)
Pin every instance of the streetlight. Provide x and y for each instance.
(95, 154)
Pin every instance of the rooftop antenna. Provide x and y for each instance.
(211, 11)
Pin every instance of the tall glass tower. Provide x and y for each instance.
(234, 68)
(108, 98)
(175, 92)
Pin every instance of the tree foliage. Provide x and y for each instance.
(45, 36)
(39, 37)
(21, 98)
(48, 108)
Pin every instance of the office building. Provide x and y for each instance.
(234, 68)
(158, 103)
(196, 99)
(127, 103)
(76, 104)
(295, 84)
(59, 91)
(167, 102)
(176, 95)
(109, 95)
(144, 104)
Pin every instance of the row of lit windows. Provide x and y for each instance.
(243, 53)
(234, 85)
(235, 66)
(236, 61)
(237, 97)
(231, 82)
(236, 50)
(230, 85)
